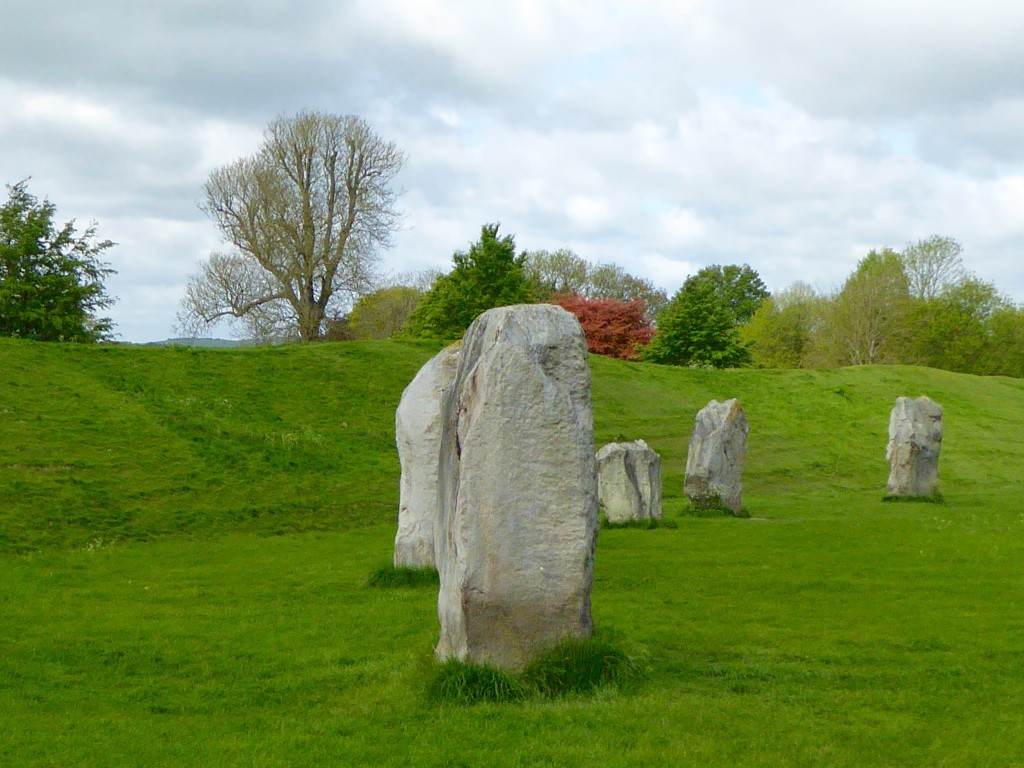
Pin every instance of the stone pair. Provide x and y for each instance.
(629, 474)
(499, 489)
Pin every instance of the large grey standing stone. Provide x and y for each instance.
(518, 489)
(717, 452)
(629, 482)
(418, 435)
(915, 439)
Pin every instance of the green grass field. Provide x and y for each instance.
(186, 538)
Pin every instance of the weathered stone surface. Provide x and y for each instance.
(629, 481)
(518, 489)
(718, 450)
(418, 435)
(915, 440)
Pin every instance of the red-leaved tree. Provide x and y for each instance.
(613, 328)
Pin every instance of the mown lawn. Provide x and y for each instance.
(147, 621)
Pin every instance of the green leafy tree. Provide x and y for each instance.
(381, 314)
(488, 275)
(698, 326)
(957, 329)
(51, 279)
(932, 265)
(1007, 341)
(736, 287)
(782, 330)
(868, 320)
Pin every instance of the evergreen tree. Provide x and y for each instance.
(697, 328)
(700, 324)
(51, 280)
(488, 275)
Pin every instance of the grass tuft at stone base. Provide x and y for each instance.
(573, 667)
(712, 506)
(647, 524)
(390, 577)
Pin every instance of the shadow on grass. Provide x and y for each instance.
(575, 666)
(402, 578)
(712, 506)
(935, 498)
(647, 524)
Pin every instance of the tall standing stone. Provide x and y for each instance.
(915, 440)
(718, 450)
(518, 489)
(629, 482)
(418, 435)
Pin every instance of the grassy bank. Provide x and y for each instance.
(189, 536)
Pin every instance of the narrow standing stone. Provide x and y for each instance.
(418, 435)
(518, 489)
(915, 440)
(718, 450)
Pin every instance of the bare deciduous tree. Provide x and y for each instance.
(306, 216)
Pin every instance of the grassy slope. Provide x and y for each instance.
(830, 629)
(132, 443)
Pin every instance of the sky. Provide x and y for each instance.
(663, 136)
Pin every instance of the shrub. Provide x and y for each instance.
(613, 327)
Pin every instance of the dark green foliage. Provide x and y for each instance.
(736, 287)
(969, 327)
(488, 275)
(574, 666)
(51, 280)
(698, 326)
(390, 577)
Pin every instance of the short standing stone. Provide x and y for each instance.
(518, 489)
(915, 439)
(718, 449)
(629, 482)
(418, 435)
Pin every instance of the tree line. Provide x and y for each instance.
(306, 217)
(916, 306)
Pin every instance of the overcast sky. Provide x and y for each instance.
(793, 136)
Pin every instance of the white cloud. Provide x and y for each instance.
(683, 226)
(663, 136)
(587, 212)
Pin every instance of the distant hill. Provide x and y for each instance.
(138, 442)
(203, 343)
